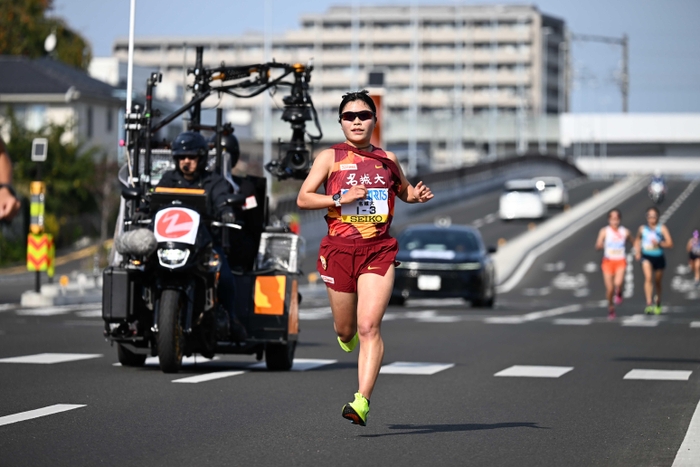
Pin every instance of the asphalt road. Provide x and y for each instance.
(543, 379)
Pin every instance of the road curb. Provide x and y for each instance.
(513, 260)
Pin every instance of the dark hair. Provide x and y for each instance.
(619, 214)
(653, 208)
(357, 96)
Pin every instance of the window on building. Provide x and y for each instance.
(89, 122)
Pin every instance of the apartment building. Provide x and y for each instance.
(491, 73)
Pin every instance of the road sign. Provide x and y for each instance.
(40, 253)
(40, 147)
(36, 207)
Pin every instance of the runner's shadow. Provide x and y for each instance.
(452, 428)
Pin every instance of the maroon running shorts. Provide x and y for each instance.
(341, 261)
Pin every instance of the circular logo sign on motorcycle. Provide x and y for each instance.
(174, 223)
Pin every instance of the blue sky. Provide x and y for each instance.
(664, 37)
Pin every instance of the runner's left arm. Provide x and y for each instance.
(409, 193)
(667, 241)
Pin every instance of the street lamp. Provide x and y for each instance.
(546, 31)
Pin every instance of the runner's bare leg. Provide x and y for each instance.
(344, 308)
(373, 292)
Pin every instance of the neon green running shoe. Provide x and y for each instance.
(357, 410)
(649, 310)
(657, 309)
(349, 346)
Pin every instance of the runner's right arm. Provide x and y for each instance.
(320, 171)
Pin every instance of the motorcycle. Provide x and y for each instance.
(657, 190)
(163, 301)
(160, 293)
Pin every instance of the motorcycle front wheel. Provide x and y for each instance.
(170, 336)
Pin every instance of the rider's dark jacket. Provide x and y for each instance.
(216, 187)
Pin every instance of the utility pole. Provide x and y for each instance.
(624, 74)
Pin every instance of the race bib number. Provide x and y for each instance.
(616, 253)
(374, 209)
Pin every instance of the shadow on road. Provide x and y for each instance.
(451, 428)
(656, 359)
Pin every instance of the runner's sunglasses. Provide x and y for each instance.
(362, 115)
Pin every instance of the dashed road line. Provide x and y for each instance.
(658, 375)
(50, 358)
(208, 377)
(573, 321)
(36, 413)
(414, 368)
(535, 315)
(678, 201)
(534, 371)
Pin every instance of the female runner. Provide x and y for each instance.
(693, 248)
(356, 258)
(612, 239)
(651, 239)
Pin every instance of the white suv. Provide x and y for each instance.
(521, 200)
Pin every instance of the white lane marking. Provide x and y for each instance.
(54, 310)
(564, 281)
(437, 302)
(414, 368)
(193, 360)
(688, 454)
(440, 319)
(628, 286)
(590, 267)
(682, 269)
(534, 371)
(300, 364)
(89, 314)
(535, 315)
(36, 413)
(584, 292)
(478, 223)
(504, 320)
(50, 358)
(641, 321)
(659, 375)
(678, 201)
(208, 377)
(491, 218)
(695, 324)
(554, 267)
(573, 321)
(7, 307)
(51, 311)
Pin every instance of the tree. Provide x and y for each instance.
(71, 178)
(24, 28)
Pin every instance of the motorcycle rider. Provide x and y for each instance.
(245, 239)
(657, 187)
(189, 151)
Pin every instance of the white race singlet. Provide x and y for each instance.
(615, 243)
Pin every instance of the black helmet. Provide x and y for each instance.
(229, 143)
(190, 143)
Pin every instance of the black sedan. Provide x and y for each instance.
(444, 262)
